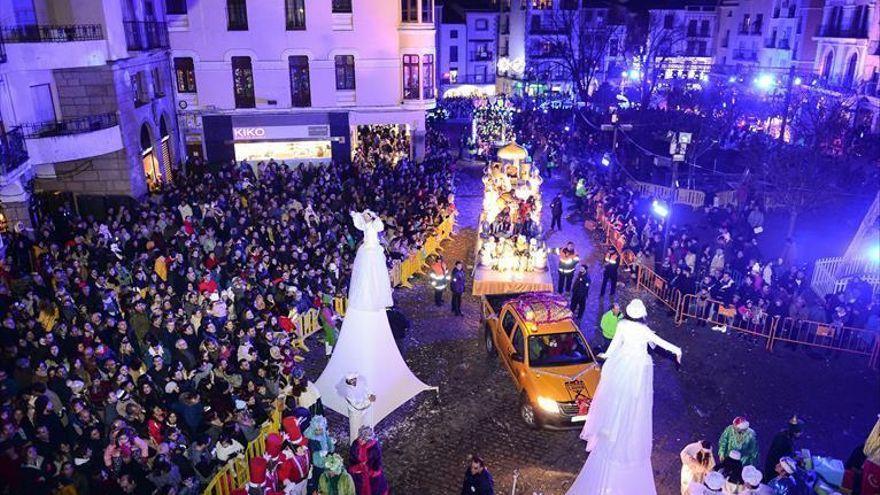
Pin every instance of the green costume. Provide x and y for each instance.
(609, 323)
(343, 484)
(745, 441)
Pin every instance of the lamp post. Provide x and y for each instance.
(613, 127)
(678, 143)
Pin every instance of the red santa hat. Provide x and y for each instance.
(293, 431)
(740, 423)
(286, 324)
(238, 491)
(257, 468)
(273, 444)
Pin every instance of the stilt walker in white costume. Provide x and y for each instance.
(366, 378)
(619, 425)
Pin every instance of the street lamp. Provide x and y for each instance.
(765, 82)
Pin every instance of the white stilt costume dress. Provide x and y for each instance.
(619, 425)
(366, 345)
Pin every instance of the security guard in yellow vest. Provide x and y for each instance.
(439, 279)
(609, 271)
(568, 260)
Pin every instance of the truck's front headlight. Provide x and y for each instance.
(548, 405)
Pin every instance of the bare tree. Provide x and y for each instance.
(656, 44)
(575, 43)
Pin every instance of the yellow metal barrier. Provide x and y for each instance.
(235, 473)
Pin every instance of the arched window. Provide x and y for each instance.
(163, 127)
(146, 138)
(828, 65)
(850, 76)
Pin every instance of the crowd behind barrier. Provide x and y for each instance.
(758, 299)
(235, 473)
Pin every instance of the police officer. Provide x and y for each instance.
(568, 260)
(609, 271)
(579, 291)
(439, 279)
(556, 210)
(456, 287)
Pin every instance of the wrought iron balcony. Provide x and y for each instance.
(35, 33)
(68, 127)
(839, 32)
(481, 56)
(146, 35)
(745, 55)
(13, 151)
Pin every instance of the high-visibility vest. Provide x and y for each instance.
(568, 260)
(439, 275)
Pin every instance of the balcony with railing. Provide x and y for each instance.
(745, 55)
(2, 51)
(469, 79)
(146, 35)
(36, 33)
(13, 152)
(66, 127)
(481, 56)
(73, 139)
(841, 32)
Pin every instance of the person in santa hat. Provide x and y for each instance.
(738, 436)
(258, 484)
(274, 456)
(335, 480)
(365, 464)
(293, 474)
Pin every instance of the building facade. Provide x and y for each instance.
(540, 32)
(85, 102)
(467, 51)
(296, 79)
(848, 55)
(684, 40)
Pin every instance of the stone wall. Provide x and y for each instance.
(105, 174)
(98, 90)
(85, 91)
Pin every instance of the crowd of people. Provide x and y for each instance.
(382, 144)
(788, 468)
(727, 266)
(142, 350)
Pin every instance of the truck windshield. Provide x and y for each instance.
(557, 349)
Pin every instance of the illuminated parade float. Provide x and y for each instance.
(510, 253)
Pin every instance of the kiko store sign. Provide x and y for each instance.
(281, 132)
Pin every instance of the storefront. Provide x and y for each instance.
(295, 139)
(291, 144)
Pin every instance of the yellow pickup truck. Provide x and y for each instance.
(551, 363)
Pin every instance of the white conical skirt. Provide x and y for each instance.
(602, 475)
(366, 346)
(370, 286)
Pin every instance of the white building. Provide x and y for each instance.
(86, 109)
(467, 50)
(294, 79)
(539, 31)
(743, 26)
(687, 33)
(848, 54)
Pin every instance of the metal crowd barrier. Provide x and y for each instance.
(658, 286)
(807, 333)
(826, 336)
(235, 473)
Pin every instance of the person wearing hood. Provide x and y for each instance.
(782, 445)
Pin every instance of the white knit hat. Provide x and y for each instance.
(714, 480)
(636, 309)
